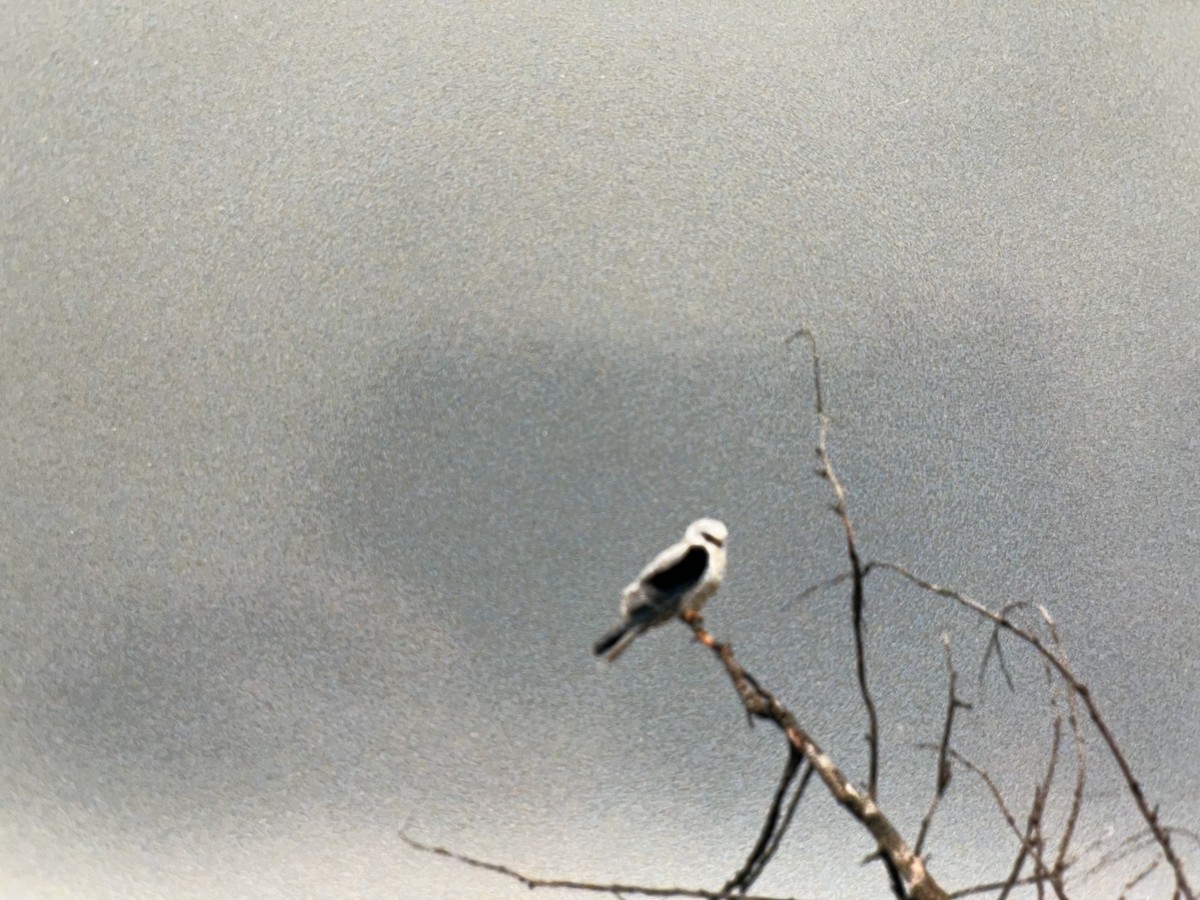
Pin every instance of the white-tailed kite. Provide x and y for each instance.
(680, 579)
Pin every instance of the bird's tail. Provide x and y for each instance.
(614, 643)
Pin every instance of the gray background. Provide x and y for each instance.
(353, 356)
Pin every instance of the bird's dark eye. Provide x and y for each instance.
(712, 540)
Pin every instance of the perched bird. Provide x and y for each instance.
(680, 579)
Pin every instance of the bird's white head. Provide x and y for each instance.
(708, 531)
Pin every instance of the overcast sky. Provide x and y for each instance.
(354, 356)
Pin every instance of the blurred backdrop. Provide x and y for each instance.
(354, 356)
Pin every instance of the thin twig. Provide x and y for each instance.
(992, 886)
(953, 704)
(1130, 846)
(615, 889)
(994, 646)
(1014, 874)
(1037, 813)
(1134, 881)
(817, 588)
(1150, 815)
(1127, 847)
(827, 472)
(745, 877)
(1042, 793)
(788, 815)
(1080, 754)
(987, 780)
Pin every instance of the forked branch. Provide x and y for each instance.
(1161, 834)
(762, 704)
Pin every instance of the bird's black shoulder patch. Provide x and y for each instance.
(684, 574)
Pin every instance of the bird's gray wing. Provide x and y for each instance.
(655, 596)
(664, 560)
(633, 595)
(682, 575)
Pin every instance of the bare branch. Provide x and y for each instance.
(1037, 812)
(1129, 846)
(993, 886)
(1161, 833)
(773, 829)
(1080, 754)
(1014, 874)
(827, 472)
(895, 879)
(762, 704)
(1135, 880)
(791, 812)
(953, 704)
(991, 785)
(994, 647)
(614, 889)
